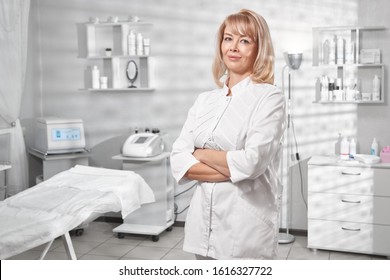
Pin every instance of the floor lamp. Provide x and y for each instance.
(293, 62)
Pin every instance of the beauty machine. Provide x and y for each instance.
(59, 136)
(143, 145)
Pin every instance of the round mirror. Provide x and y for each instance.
(132, 72)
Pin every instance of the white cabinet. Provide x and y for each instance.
(152, 218)
(95, 38)
(348, 207)
(353, 73)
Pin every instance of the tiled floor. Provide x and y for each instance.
(99, 243)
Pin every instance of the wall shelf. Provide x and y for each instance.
(95, 38)
(356, 77)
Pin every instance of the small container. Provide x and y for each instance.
(112, 19)
(325, 52)
(103, 82)
(385, 154)
(376, 96)
(344, 149)
(374, 148)
(131, 45)
(337, 145)
(95, 77)
(352, 148)
(108, 51)
(366, 96)
(94, 20)
(332, 50)
(140, 44)
(340, 51)
(146, 46)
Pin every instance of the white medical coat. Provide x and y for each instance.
(238, 218)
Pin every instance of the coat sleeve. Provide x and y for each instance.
(182, 149)
(262, 142)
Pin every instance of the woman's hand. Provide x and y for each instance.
(214, 159)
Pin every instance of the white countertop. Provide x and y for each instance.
(334, 160)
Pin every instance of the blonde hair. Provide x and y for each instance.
(249, 23)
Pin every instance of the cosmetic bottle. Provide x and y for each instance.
(325, 52)
(147, 46)
(324, 88)
(374, 148)
(331, 89)
(352, 148)
(340, 50)
(337, 145)
(344, 149)
(131, 45)
(140, 44)
(95, 77)
(376, 89)
(332, 50)
(349, 52)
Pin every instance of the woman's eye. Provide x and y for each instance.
(227, 39)
(245, 41)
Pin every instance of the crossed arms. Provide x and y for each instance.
(212, 167)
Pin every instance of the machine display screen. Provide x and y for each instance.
(141, 140)
(66, 134)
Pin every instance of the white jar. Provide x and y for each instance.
(103, 82)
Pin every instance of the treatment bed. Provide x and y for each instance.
(60, 204)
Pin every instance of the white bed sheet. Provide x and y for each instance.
(58, 205)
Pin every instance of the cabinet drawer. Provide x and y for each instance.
(349, 208)
(351, 180)
(354, 237)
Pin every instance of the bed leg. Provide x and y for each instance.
(47, 247)
(69, 246)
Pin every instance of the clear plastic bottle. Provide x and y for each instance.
(344, 149)
(374, 148)
(352, 148)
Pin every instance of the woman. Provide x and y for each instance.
(230, 145)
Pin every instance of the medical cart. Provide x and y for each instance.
(152, 218)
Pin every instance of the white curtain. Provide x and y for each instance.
(13, 58)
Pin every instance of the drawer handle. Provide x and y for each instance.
(350, 173)
(350, 201)
(350, 229)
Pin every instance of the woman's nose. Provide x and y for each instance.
(233, 46)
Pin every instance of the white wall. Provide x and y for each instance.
(373, 121)
(183, 46)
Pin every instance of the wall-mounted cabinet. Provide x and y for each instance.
(349, 72)
(110, 47)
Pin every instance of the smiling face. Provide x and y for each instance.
(238, 51)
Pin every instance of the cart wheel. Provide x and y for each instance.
(155, 238)
(121, 235)
(169, 229)
(79, 232)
